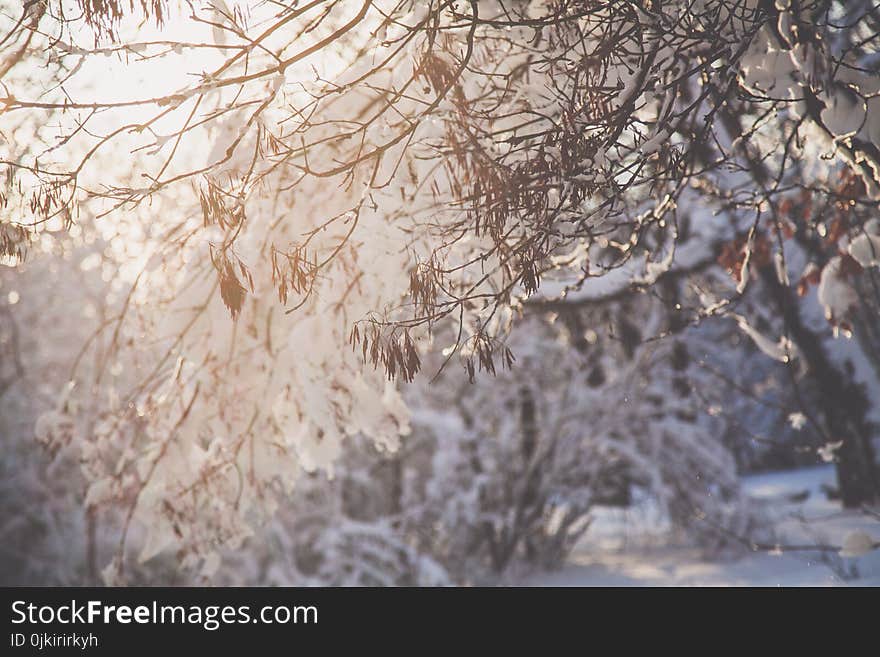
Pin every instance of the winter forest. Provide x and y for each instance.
(440, 292)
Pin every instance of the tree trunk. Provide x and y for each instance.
(842, 402)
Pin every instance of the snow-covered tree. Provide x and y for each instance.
(300, 200)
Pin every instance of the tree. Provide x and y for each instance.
(337, 182)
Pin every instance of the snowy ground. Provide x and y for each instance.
(632, 547)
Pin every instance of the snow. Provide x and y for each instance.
(835, 293)
(782, 350)
(865, 248)
(633, 547)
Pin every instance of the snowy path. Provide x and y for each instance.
(630, 548)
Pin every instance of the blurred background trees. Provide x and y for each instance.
(406, 290)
